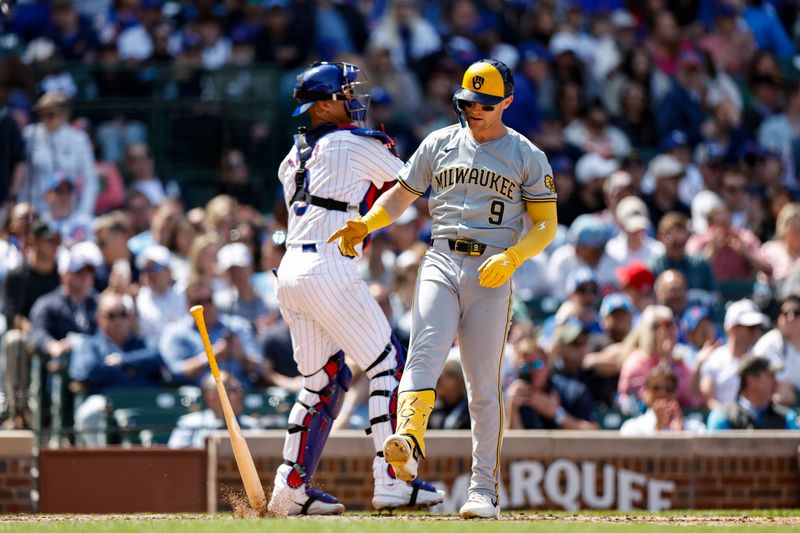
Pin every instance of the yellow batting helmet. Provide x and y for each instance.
(486, 82)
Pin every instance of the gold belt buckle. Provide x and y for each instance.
(468, 247)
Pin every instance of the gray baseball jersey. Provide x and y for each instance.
(477, 189)
(478, 192)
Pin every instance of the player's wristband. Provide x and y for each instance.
(514, 256)
(377, 218)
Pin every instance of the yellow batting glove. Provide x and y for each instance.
(349, 235)
(496, 270)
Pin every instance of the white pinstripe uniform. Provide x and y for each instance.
(321, 296)
(327, 306)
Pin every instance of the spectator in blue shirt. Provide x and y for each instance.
(114, 357)
(231, 337)
(673, 231)
(767, 29)
(680, 109)
(526, 115)
(754, 408)
(68, 309)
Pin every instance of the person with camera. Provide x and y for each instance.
(664, 414)
(231, 338)
(541, 399)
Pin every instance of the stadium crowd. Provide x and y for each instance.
(671, 295)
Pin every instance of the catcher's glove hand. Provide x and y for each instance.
(498, 269)
(349, 235)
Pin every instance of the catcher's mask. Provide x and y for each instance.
(332, 81)
(486, 82)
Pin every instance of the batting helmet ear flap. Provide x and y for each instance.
(459, 113)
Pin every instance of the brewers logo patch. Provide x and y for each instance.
(477, 82)
(550, 184)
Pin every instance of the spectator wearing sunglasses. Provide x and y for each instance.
(581, 305)
(231, 338)
(652, 343)
(568, 353)
(663, 413)
(719, 372)
(158, 304)
(113, 357)
(782, 344)
(541, 399)
(193, 428)
(754, 407)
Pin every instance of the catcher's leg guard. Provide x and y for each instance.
(312, 416)
(384, 377)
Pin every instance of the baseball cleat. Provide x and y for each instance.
(416, 494)
(399, 452)
(479, 506)
(303, 501)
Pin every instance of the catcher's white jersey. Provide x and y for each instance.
(341, 167)
(322, 298)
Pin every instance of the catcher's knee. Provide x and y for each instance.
(328, 386)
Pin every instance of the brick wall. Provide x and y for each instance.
(16, 481)
(563, 470)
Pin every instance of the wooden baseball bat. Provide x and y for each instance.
(244, 461)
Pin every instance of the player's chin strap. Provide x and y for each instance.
(459, 113)
(310, 421)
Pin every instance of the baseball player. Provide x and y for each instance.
(484, 178)
(333, 172)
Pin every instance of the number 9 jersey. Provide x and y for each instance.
(479, 190)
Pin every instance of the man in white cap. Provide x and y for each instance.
(241, 299)
(719, 377)
(633, 242)
(158, 304)
(591, 171)
(617, 186)
(668, 173)
(70, 308)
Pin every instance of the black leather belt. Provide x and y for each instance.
(463, 246)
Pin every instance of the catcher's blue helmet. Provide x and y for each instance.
(331, 81)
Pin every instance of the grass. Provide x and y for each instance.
(558, 522)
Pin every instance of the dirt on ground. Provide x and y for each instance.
(511, 516)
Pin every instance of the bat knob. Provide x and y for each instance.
(196, 310)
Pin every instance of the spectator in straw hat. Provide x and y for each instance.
(55, 146)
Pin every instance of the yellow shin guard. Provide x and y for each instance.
(413, 410)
